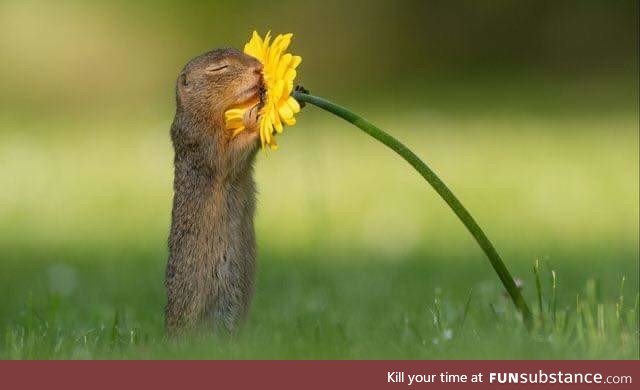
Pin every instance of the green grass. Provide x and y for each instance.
(357, 257)
(306, 308)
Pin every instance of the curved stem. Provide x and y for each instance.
(441, 189)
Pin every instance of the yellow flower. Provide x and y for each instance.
(278, 106)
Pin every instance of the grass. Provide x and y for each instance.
(358, 257)
(306, 308)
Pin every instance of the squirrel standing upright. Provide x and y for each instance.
(212, 250)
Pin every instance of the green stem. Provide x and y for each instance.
(442, 190)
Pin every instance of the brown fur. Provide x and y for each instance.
(211, 265)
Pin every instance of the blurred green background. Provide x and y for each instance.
(527, 109)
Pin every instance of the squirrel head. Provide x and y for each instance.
(207, 86)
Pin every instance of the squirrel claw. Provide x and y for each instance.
(251, 118)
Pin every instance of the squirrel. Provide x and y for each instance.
(212, 249)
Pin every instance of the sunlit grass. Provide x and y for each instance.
(308, 308)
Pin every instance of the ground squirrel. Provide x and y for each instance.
(211, 265)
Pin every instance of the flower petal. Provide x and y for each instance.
(295, 61)
(293, 104)
(285, 112)
(279, 71)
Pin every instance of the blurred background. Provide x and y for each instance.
(527, 109)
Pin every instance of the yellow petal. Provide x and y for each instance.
(234, 123)
(295, 61)
(237, 111)
(289, 121)
(293, 104)
(285, 112)
(283, 65)
(279, 74)
(237, 131)
(277, 90)
(290, 74)
(262, 137)
(275, 119)
(254, 46)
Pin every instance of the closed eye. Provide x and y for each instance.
(216, 68)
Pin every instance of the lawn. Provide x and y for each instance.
(358, 258)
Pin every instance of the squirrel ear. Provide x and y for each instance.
(183, 80)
